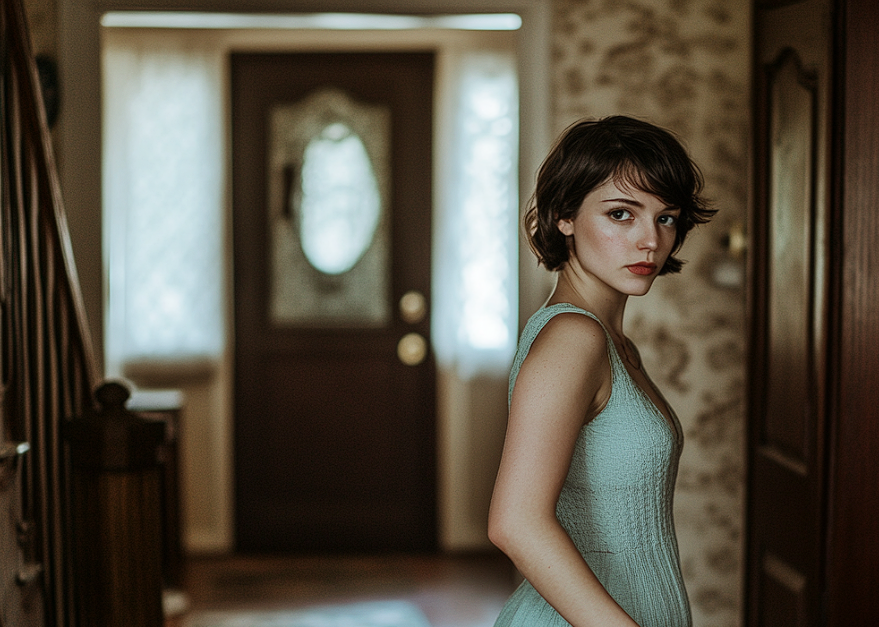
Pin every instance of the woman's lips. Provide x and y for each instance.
(642, 269)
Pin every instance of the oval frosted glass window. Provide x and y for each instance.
(341, 204)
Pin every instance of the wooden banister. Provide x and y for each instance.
(48, 371)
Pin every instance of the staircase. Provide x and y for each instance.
(46, 364)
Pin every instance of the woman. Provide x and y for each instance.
(583, 499)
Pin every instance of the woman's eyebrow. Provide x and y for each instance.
(627, 201)
(634, 203)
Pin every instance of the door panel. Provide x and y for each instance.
(334, 433)
(791, 145)
(788, 419)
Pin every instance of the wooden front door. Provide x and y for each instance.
(788, 383)
(334, 379)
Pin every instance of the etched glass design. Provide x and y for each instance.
(330, 231)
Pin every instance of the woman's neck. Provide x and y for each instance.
(590, 294)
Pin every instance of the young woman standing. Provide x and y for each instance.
(583, 499)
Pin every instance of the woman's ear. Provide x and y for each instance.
(566, 227)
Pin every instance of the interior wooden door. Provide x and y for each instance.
(789, 334)
(334, 380)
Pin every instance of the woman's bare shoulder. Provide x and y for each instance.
(571, 345)
(574, 335)
(567, 371)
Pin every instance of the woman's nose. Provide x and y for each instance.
(648, 236)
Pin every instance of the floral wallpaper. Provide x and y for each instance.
(683, 64)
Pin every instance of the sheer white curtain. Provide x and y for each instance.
(163, 198)
(475, 264)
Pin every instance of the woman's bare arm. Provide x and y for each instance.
(564, 380)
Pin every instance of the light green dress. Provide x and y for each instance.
(616, 502)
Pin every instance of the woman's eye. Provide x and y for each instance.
(620, 214)
(668, 220)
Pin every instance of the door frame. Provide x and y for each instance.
(852, 566)
(78, 138)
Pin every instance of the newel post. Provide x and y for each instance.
(116, 512)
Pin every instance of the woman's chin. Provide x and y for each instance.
(640, 288)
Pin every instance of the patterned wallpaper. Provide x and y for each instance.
(683, 64)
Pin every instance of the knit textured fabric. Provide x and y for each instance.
(616, 502)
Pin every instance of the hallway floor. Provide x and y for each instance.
(451, 591)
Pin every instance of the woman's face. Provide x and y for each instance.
(621, 237)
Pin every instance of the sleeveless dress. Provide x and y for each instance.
(616, 502)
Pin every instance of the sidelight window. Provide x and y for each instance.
(163, 201)
(475, 272)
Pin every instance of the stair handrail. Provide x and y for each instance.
(48, 366)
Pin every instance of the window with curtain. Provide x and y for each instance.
(475, 268)
(163, 200)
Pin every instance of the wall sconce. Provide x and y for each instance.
(728, 269)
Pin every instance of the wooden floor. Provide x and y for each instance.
(451, 591)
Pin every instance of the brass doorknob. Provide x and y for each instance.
(412, 349)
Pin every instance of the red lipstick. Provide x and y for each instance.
(644, 268)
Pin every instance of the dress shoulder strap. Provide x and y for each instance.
(536, 323)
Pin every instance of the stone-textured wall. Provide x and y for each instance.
(683, 64)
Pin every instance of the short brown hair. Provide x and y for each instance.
(629, 152)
